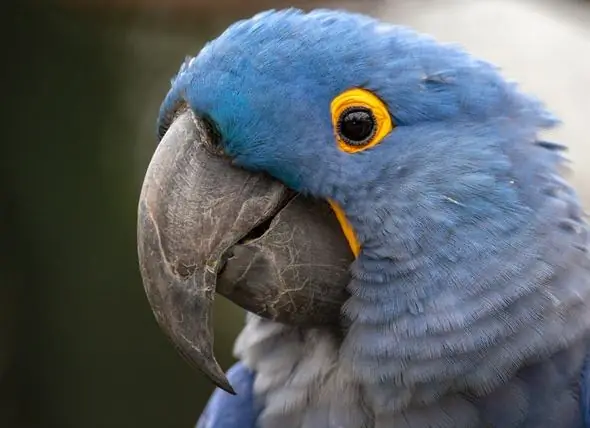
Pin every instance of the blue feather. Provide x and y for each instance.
(232, 411)
(474, 276)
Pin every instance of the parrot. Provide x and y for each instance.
(405, 241)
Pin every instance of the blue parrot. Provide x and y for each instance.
(468, 292)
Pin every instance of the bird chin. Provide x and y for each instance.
(207, 227)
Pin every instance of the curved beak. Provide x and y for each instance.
(205, 226)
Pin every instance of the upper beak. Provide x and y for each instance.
(205, 226)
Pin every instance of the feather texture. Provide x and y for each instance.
(470, 297)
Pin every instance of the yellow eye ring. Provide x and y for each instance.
(360, 120)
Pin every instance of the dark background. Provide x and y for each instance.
(81, 87)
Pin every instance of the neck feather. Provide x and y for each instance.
(465, 284)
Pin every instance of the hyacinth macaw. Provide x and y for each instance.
(385, 207)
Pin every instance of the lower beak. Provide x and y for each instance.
(205, 226)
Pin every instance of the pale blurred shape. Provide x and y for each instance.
(543, 45)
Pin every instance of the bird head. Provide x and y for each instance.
(318, 100)
(416, 146)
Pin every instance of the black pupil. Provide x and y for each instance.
(357, 125)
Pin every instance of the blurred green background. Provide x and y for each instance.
(79, 346)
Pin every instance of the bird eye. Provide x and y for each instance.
(360, 119)
(357, 126)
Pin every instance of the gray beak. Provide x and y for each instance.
(207, 227)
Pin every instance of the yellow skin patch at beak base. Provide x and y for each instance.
(346, 228)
